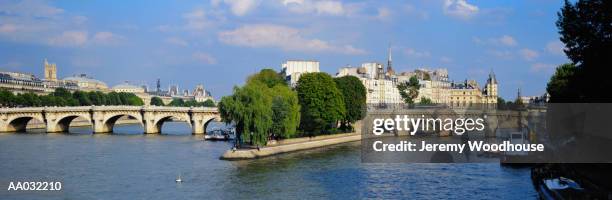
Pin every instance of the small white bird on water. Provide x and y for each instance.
(178, 180)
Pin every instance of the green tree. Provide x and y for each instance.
(269, 77)
(134, 100)
(264, 107)
(96, 97)
(82, 98)
(501, 103)
(249, 109)
(156, 101)
(62, 93)
(285, 111)
(560, 85)
(177, 102)
(7, 98)
(425, 101)
(322, 104)
(208, 103)
(585, 30)
(354, 95)
(409, 91)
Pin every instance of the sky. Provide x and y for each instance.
(218, 43)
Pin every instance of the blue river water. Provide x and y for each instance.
(130, 165)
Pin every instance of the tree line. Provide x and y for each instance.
(63, 97)
(178, 102)
(267, 108)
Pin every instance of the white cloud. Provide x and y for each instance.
(507, 40)
(555, 47)
(204, 58)
(69, 38)
(528, 54)
(323, 7)
(238, 7)
(7, 28)
(196, 20)
(539, 67)
(503, 54)
(459, 8)
(29, 8)
(286, 38)
(107, 38)
(417, 54)
(176, 41)
(504, 40)
(81, 38)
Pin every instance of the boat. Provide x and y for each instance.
(178, 179)
(517, 158)
(217, 135)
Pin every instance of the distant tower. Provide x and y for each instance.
(389, 63)
(491, 89)
(158, 86)
(50, 71)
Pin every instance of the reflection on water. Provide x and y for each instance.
(137, 166)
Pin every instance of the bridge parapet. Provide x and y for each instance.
(21, 110)
(68, 109)
(164, 108)
(116, 108)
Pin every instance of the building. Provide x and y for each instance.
(173, 90)
(200, 94)
(380, 84)
(87, 83)
(129, 88)
(23, 82)
(380, 89)
(50, 71)
(434, 84)
(293, 69)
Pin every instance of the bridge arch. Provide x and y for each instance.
(157, 123)
(19, 123)
(62, 123)
(108, 122)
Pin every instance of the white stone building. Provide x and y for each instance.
(293, 69)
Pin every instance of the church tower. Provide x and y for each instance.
(491, 89)
(50, 71)
(390, 71)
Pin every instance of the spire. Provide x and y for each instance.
(492, 78)
(389, 62)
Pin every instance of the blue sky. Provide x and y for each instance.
(219, 43)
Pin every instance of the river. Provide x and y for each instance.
(131, 165)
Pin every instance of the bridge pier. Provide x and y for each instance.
(151, 128)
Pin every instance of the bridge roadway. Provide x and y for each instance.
(103, 118)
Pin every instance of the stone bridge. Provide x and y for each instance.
(103, 118)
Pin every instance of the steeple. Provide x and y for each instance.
(389, 62)
(492, 78)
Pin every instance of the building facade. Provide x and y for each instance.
(50, 71)
(293, 69)
(380, 84)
